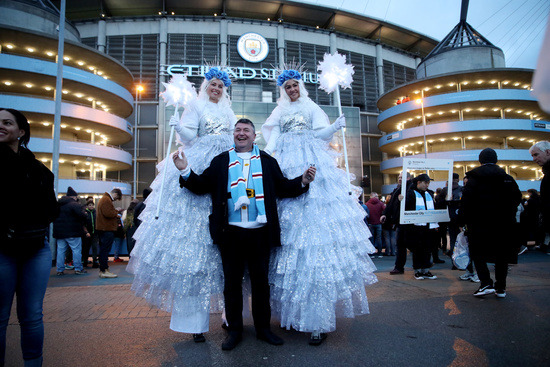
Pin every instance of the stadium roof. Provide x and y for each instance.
(274, 10)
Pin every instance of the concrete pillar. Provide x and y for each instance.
(161, 138)
(281, 44)
(505, 143)
(417, 61)
(380, 77)
(101, 35)
(332, 43)
(223, 42)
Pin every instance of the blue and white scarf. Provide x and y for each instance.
(428, 206)
(238, 182)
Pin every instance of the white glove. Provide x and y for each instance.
(174, 120)
(340, 122)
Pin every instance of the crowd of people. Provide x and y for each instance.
(276, 226)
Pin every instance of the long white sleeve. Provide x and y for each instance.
(321, 124)
(274, 135)
(188, 126)
(326, 133)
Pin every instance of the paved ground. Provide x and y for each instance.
(99, 322)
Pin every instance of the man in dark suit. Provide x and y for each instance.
(245, 226)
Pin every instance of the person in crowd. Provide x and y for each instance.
(139, 208)
(390, 217)
(453, 205)
(129, 226)
(176, 266)
(443, 226)
(488, 210)
(323, 231)
(541, 155)
(68, 229)
(106, 226)
(243, 184)
(420, 237)
(376, 208)
(29, 205)
(120, 236)
(530, 219)
(90, 238)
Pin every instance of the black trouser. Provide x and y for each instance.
(106, 239)
(443, 235)
(87, 243)
(454, 230)
(401, 252)
(501, 271)
(246, 247)
(419, 240)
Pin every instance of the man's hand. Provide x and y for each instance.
(309, 175)
(382, 219)
(180, 160)
(400, 197)
(88, 235)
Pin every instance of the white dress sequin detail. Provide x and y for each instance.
(175, 263)
(323, 266)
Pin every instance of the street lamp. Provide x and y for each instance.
(139, 90)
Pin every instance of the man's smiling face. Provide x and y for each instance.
(244, 136)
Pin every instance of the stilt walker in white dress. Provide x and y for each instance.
(176, 266)
(321, 270)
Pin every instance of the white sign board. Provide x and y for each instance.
(425, 216)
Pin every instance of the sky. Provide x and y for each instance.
(515, 26)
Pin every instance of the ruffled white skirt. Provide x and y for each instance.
(176, 265)
(323, 266)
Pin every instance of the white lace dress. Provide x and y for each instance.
(175, 263)
(323, 266)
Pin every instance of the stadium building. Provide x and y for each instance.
(463, 101)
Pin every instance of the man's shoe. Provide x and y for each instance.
(267, 336)
(396, 271)
(232, 340)
(482, 291)
(199, 338)
(439, 261)
(474, 278)
(500, 293)
(69, 266)
(107, 274)
(118, 260)
(95, 265)
(78, 272)
(522, 249)
(60, 273)
(418, 275)
(428, 275)
(466, 276)
(317, 338)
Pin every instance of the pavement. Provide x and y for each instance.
(99, 322)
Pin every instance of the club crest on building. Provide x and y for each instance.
(252, 47)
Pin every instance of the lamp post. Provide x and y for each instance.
(421, 103)
(139, 90)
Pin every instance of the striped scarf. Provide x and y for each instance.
(238, 182)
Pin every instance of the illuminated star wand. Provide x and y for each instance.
(334, 72)
(179, 92)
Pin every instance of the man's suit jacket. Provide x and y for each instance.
(214, 181)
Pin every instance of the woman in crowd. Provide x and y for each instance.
(25, 257)
(321, 270)
(176, 266)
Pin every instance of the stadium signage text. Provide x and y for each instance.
(236, 72)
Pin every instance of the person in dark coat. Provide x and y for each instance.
(244, 242)
(90, 238)
(68, 229)
(390, 217)
(28, 206)
(488, 210)
(453, 206)
(541, 156)
(140, 207)
(530, 219)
